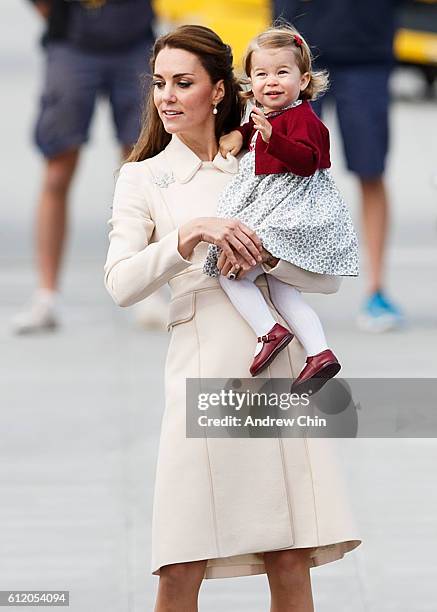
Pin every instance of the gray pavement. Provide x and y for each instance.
(81, 408)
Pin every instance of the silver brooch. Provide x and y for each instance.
(164, 180)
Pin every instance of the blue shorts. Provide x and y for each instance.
(73, 81)
(361, 95)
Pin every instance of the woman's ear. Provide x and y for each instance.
(304, 80)
(219, 92)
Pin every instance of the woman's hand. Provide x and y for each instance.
(231, 143)
(261, 123)
(225, 265)
(230, 235)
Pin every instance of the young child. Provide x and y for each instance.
(285, 193)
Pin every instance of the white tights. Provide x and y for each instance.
(288, 301)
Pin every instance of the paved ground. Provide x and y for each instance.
(81, 408)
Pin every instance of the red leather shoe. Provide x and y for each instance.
(317, 371)
(273, 343)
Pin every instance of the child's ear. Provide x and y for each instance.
(304, 80)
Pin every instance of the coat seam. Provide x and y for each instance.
(284, 471)
(213, 508)
(313, 490)
(201, 290)
(290, 363)
(287, 492)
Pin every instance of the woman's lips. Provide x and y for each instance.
(171, 114)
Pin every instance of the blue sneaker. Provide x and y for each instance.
(379, 314)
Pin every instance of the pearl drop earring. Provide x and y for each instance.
(214, 110)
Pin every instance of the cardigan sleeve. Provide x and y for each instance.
(137, 264)
(299, 150)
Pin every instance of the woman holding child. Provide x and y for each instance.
(223, 507)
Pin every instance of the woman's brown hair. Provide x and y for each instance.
(216, 57)
(280, 35)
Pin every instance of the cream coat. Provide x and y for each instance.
(225, 500)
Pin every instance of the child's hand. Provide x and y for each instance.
(231, 143)
(261, 123)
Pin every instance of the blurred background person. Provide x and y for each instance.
(91, 48)
(354, 42)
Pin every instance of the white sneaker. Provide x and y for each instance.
(379, 314)
(41, 315)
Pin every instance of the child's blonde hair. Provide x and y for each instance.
(282, 35)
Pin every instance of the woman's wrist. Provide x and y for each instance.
(189, 237)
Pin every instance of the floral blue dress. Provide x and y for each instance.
(301, 219)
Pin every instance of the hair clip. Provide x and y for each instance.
(297, 40)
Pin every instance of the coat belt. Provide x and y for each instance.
(193, 280)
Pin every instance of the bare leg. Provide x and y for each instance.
(179, 585)
(375, 215)
(288, 572)
(51, 217)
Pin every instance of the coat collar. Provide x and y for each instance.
(185, 163)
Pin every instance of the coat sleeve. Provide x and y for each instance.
(136, 264)
(303, 280)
